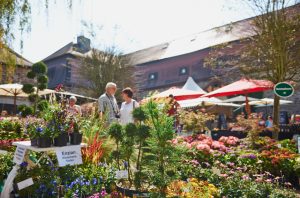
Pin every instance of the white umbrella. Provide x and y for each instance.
(240, 99)
(268, 102)
(15, 90)
(199, 101)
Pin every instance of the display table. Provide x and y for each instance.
(26, 146)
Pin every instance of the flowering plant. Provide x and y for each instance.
(195, 121)
(192, 188)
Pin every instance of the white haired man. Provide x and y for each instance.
(108, 104)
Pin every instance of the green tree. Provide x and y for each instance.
(38, 73)
(105, 66)
(272, 50)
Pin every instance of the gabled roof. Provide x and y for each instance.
(194, 42)
(67, 49)
(19, 59)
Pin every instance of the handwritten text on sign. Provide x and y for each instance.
(69, 156)
(19, 155)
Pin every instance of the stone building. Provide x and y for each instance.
(64, 64)
(13, 67)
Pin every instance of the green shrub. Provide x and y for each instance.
(43, 105)
(25, 110)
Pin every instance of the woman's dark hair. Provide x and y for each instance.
(128, 91)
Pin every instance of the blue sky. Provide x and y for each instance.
(128, 24)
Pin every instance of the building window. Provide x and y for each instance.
(153, 76)
(183, 71)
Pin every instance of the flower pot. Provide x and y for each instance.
(76, 138)
(61, 140)
(33, 142)
(44, 142)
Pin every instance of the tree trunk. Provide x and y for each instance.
(276, 109)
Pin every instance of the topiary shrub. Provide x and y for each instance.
(25, 110)
(39, 74)
(43, 105)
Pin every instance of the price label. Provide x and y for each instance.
(24, 184)
(69, 156)
(123, 174)
(19, 155)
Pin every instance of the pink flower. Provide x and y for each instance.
(203, 147)
(245, 177)
(195, 162)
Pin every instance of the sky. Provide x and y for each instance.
(129, 25)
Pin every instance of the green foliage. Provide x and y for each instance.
(42, 86)
(115, 132)
(105, 66)
(160, 157)
(139, 114)
(6, 164)
(25, 110)
(43, 79)
(39, 68)
(43, 105)
(130, 130)
(33, 97)
(28, 88)
(31, 75)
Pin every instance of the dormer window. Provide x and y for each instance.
(183, 71)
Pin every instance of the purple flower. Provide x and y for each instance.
(249, 156)
(94, 181)
(24, 164)
(39, 129)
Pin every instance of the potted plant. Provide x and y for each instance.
(44, 139)
(58, 126)
(76, 136)
(32, 129)
(115, 132)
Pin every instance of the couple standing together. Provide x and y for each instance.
(108, 106)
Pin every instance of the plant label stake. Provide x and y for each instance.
(19, 155)
(24, 184)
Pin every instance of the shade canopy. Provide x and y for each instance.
(242, 87)
(268, 102)
(205, 102)
(179, 94)
(16, 90)
(193, 86)
(240, 99)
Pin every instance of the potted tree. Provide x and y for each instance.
(115, 131)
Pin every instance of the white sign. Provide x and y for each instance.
(24, 184)
(69, 156)
(123, 174)
(19, 155)
(298, 144)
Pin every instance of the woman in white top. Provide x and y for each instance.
(127, 106)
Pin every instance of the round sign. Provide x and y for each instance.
(283, 89)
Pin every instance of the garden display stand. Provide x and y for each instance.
(8, 185)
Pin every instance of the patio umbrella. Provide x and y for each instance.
(199, 101)
(179, 94)
(15, 90)
(240, 99)
(265, 102)
(242, 87)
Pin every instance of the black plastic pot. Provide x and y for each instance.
(44, 142)
(61, 140)
(76, 138)
(33, 142)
